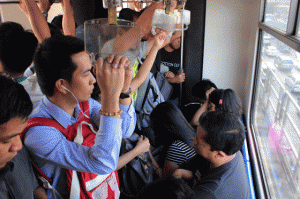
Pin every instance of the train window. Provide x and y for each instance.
(276, 13)
(275, 113)
(135, 5)
(298, 28)
(277, 116)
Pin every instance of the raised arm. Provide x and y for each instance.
(68, 23)
(37, 20)
(175, 35)
(202, 109)
(134, 35)
(102, 157)
(110, 78)
(148, 63)
(127, 83)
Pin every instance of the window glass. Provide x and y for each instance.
(276, 117)
(276, 13)
(298, 27)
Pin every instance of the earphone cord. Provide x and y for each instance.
(78, 103)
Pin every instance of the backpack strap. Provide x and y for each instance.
(41, 121)
(146, 94)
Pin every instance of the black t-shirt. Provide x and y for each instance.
(170, 59)
(227, 181)
(171, 62)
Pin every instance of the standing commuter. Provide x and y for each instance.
(64, 74)
(17, 48)
(17, 179)
(170, 66)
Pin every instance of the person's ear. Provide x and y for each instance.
(59, 86)
(220, 155)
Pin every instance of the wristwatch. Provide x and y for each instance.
(126, 95)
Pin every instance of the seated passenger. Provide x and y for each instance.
(200, 90)
(173, 131)
(17, 179)
(58, 138)
(225, 100)
(220, 137)
(17, 48)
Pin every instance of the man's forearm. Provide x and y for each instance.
(68, 23)
(37, 20)
(144, 70)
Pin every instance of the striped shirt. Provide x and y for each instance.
(179, 152)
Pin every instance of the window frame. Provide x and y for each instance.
(290, 38)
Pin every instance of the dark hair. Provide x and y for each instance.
(57, 21)
(54, 30)
(51, 2)
(230, 102)
(17, 47)
(224, 131)
(15, 101)
(128, 14)
(167, 187)
(169, 124)
(53, 61)
(200, 88)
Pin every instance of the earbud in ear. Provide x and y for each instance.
(64, 87)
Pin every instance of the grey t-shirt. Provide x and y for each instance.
(17, 179)
(227, 181)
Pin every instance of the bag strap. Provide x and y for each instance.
(41, 121)
(146, 94)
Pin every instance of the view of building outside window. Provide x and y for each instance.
(276, 13)
(276, 116)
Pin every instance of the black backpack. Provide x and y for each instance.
(137, 173)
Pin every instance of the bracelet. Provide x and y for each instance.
(111, 114)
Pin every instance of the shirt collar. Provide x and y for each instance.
(62, 117)
(21, 79)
